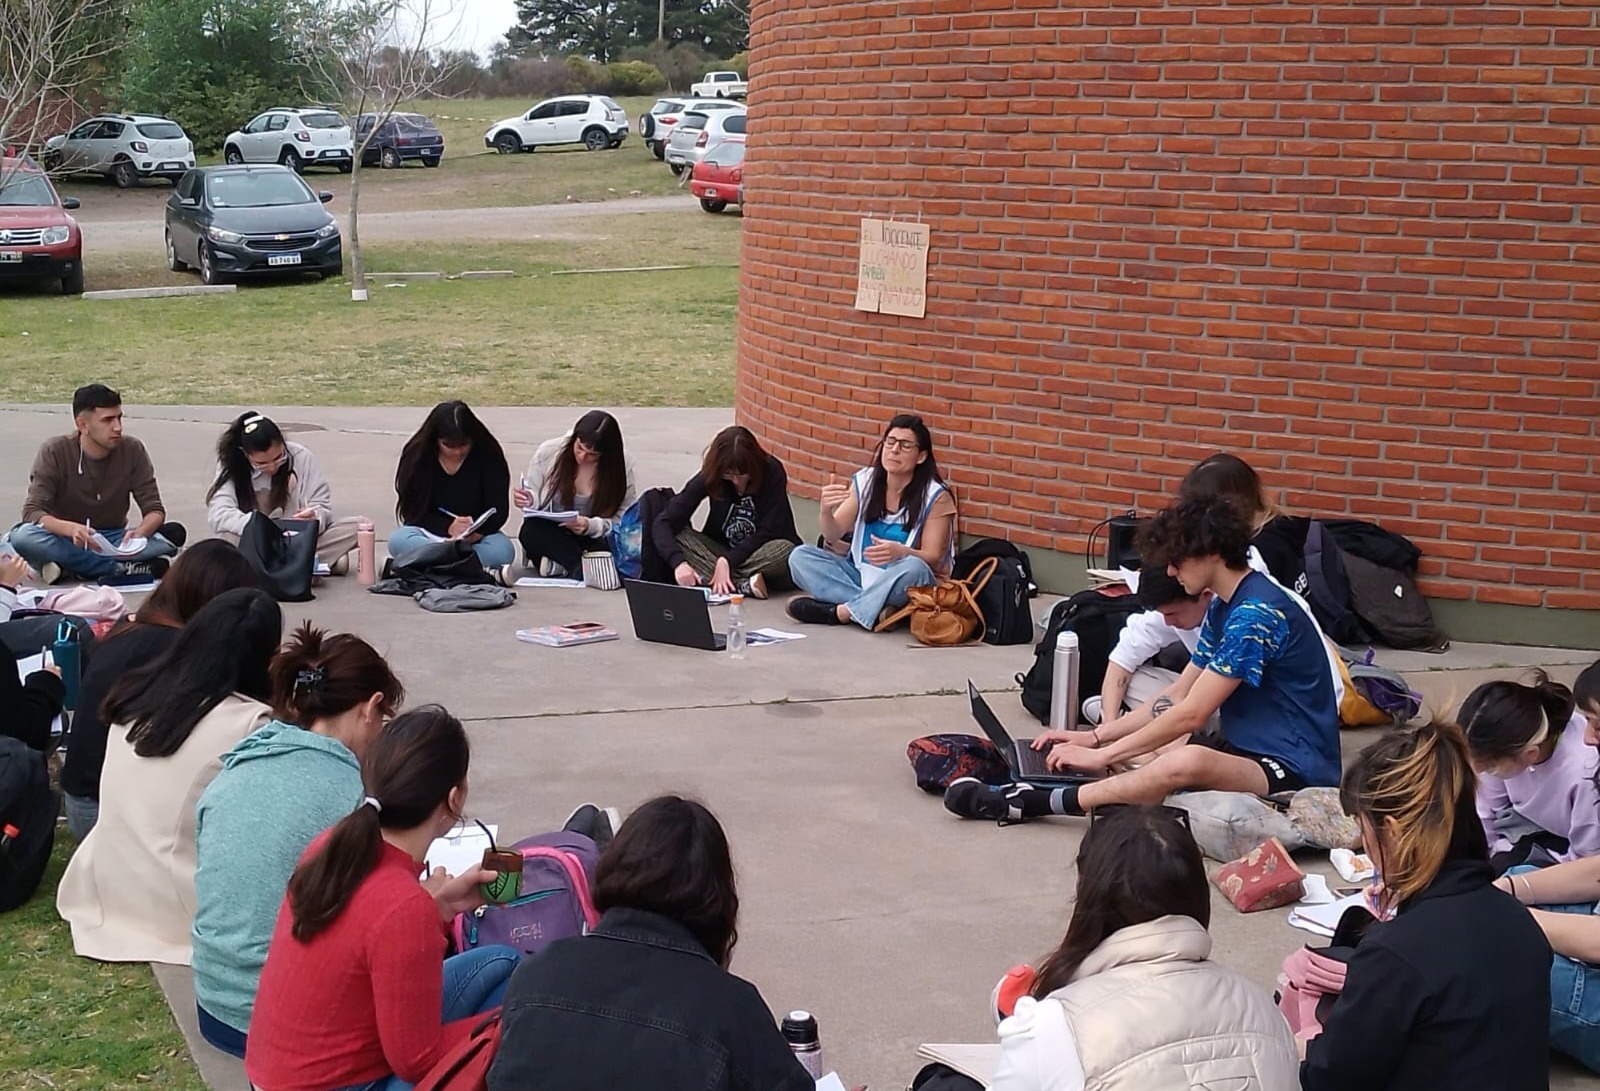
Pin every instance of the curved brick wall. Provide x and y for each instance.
(1359, 244)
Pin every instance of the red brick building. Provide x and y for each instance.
(1357, 244)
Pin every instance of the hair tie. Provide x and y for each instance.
(369, 801)
(1544, 730)
(310, 678)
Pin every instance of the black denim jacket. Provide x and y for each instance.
(638, 1004)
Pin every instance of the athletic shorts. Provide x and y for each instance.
(1280, 778)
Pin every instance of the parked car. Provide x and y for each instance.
(294, 137)
(124, 148)
(594, 121)
(656, 127)
(718, 179)
(247, 220)
(720, 85)
(399, 138)
(38, 240)
(698, 132)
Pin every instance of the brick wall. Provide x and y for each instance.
(1358, 244)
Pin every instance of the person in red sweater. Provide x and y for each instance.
(356, 978)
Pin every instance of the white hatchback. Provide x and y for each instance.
(294, 137)
(595, 121)
(124, 148)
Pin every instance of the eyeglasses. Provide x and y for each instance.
(271, 465)
(1161, 810)
(893, 444)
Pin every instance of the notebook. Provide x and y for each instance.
(567, 636)
(976, 1061)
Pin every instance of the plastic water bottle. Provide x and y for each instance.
(366, 553)
(1064, 684)
(736, 639)
(800, 1031)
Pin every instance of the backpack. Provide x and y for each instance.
(968, 559)
(627, 542)
(1327, 588)
(555, 903)
(1097, 616)
(1390, 605)
(1003, 600)
(28, 806)
(466, 1067)
(1388, 700)
(940, 760)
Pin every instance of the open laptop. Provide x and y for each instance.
(1022, 759)
(668, 614)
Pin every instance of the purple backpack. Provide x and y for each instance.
(555, 902)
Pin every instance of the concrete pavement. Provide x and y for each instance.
(862, 900)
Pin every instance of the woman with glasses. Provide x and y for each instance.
(1131, 998)
(259, 470)
(585, 471)
(452, 474)
(890, 528)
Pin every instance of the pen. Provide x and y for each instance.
(447, 511)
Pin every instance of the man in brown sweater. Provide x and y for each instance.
(79, 491)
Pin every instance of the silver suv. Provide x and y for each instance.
(656, 127)
(295, 137)
(698, 132)
(124, 148)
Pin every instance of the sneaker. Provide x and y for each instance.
(505, 575)
(810, 611)
(175, 533)
(340, 567)
(970, 797)
(598, 824)
(51, 573)
(753, 588)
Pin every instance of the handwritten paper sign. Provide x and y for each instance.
(893, 274)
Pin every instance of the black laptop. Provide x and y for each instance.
(1022, 759)
(668, 614)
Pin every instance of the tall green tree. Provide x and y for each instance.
(588, 28)
(604, 29)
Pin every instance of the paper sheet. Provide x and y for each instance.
(552, 516)
(771, 636)
(26, 666)
(126, 548)
(1322, 920)
(547, 581)
(460, 849)
(830, 1082)
(1316, 891)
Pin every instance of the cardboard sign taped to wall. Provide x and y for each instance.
(893, 274)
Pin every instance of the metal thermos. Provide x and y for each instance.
(366, 553)
(1064, 684)
(800, 1031)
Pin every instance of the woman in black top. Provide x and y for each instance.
(1279, 538)
(198, 575)
(646, 999)
(1454, 990)
(749, 533)
(451, 473)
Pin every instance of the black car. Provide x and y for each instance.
(245, 220)
(399, 138)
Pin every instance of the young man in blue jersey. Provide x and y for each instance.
(1259, 665)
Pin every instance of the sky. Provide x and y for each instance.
(483, 23)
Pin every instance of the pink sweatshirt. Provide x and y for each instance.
(1558, 796)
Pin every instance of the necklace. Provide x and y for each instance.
(95, 479)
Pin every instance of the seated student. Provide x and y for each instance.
(646, 999)
(81, 485)
(203, 572)
(451, 472)
(128, 891)
(1537, 796)
(259, 470)
(1131, 998)
(279, 788)
(1454, 991)
(586, 471)
(893, 527)
(28, 707)
(1171, 616)
(749, 531)
(1259, 663)
(357, 992)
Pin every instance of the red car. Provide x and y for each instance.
(718, 179)
(38, 240)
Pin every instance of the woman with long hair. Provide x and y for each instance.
(453, 472)
(1453, 990)
(279, 788)
(646, 999)
(1279, 538)
(128, 891)
(585, 471)
(259, 470)
(357, 993)
(1131, 997)
(198, 575)
(891, 528)
(749, 530)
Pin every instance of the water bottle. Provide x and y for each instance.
(366, 553)
(800, 1031)
(67, 655)
(736, 640)
(1064, 684)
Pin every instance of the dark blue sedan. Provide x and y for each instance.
(237, 221)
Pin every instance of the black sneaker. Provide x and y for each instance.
(175, 533)
(138, 572)
(811, 611)
(598, 824)
(970, 797)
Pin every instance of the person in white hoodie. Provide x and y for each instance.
(586, 472)
(259, 470)
(1131, 998)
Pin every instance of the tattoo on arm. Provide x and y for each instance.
(1160, 706)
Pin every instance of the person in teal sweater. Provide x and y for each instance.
(279, 788)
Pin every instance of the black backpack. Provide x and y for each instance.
(1097, 616)
(1389, 604)
(29, 806)
(1327, 587)
(1003, 599)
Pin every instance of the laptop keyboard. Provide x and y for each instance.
(1030, 762)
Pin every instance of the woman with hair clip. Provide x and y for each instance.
(357, 994)
(259, 470)
(749, 530)
(279, 788)
(893, 527)
(646, 999)
(1131, 998)
(1452, 988)
(452, 472)
(1536, 774)
(198, 575)
(586, 471)
(128, 891)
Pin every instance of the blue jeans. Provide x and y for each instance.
(474, 983)
(828, 577)
(220, 1034)
(493, 550)
(39, 547)
(1574, 995)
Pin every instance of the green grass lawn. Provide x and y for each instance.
(70, 1024)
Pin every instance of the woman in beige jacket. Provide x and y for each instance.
(128, 891)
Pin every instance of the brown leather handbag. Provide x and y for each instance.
(947, 613)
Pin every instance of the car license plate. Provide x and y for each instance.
(283, 259)
(172, 166)
(10, 255)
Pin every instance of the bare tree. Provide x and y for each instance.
(49, 51)
(378, 55)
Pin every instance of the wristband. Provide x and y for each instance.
(1095, 731)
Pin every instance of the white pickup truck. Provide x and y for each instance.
(720, 85)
